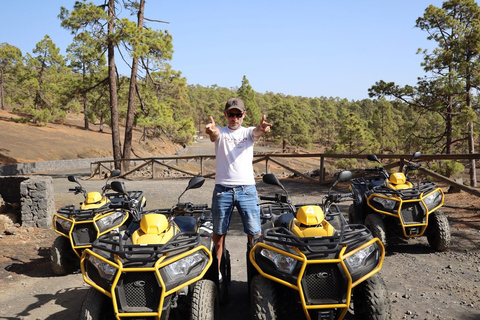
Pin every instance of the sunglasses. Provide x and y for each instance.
(231, 115)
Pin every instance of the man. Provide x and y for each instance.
(234, 176)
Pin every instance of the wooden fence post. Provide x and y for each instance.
(322, 172)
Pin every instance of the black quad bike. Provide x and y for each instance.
(393, 207)
(79, 226)
(161, 267)
(310, 263)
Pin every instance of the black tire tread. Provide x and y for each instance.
(370, 300)
(205, 304)
(375, 224)
(62, 257)
(438, 231)
(94, 306)
(263, 299)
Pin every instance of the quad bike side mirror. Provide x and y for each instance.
(115, 173)
(118, 186)
(270, 178)
(342, 177)
(416, 155)
(194, 183)
(72, 179)
(372, 157)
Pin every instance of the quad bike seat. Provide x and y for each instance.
(398, 181)
(375, 183)
(186, 223)
(284, 220)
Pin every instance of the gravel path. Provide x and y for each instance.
(422, 284)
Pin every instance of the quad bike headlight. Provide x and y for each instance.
(109, 221)
(386, 203)
(181, 268)
(359, 258)
(433, 199)
(105, 270)
(66, 224)
(282, 262)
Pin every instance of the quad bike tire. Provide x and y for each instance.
(438, 231)
(226, 277)
(375, 224)
(62, 257)
(96, 306)
(263, 299)
(351, 215)
(370, 300)
(205, 303)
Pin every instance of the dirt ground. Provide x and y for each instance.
(422, 284)
(20, 142)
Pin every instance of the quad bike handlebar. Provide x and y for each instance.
(188, 207)
(279, 198)
(338, 197)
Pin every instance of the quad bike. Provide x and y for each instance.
(309, 263)
(393, 207)
(79, 226)
(161, 267)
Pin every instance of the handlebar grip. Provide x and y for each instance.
(116, 205)
(268, 198)
(199, 206)
(72, 190)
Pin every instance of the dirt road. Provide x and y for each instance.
(422, 284)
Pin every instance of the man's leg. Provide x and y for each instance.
(219, 243)
(249, 209)
(222, 207)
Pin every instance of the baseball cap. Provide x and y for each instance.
(235, 103)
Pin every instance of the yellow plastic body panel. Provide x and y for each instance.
(78, 249)
(397, 214)
(302, 258)
(154, 229)
(160, 263)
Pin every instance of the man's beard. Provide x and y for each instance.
(235, 126)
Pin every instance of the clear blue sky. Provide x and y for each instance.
(308, 48)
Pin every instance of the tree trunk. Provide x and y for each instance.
(127, 145)
(448, 125)
(471, 135)
(113, 87)
(2, 79)
(85, 102)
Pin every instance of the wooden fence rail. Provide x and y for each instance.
(172, 163)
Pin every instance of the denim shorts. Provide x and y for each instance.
(245, 199)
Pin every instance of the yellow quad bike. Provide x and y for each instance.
(79, 226)
(310, 263)
(393, 207)
(161, 267)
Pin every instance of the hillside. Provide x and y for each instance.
(23, 142)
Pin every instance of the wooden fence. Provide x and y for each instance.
(173, 163)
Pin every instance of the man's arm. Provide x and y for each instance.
(212, 130)
(262, 128)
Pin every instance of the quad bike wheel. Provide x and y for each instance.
(62, 257)
(370, 300)
(351, 215)
(438, 231)
(205, 303)
(263, 299)
(96, 306)
(226, 270)
(375, 224)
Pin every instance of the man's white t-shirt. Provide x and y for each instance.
(234, 156)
